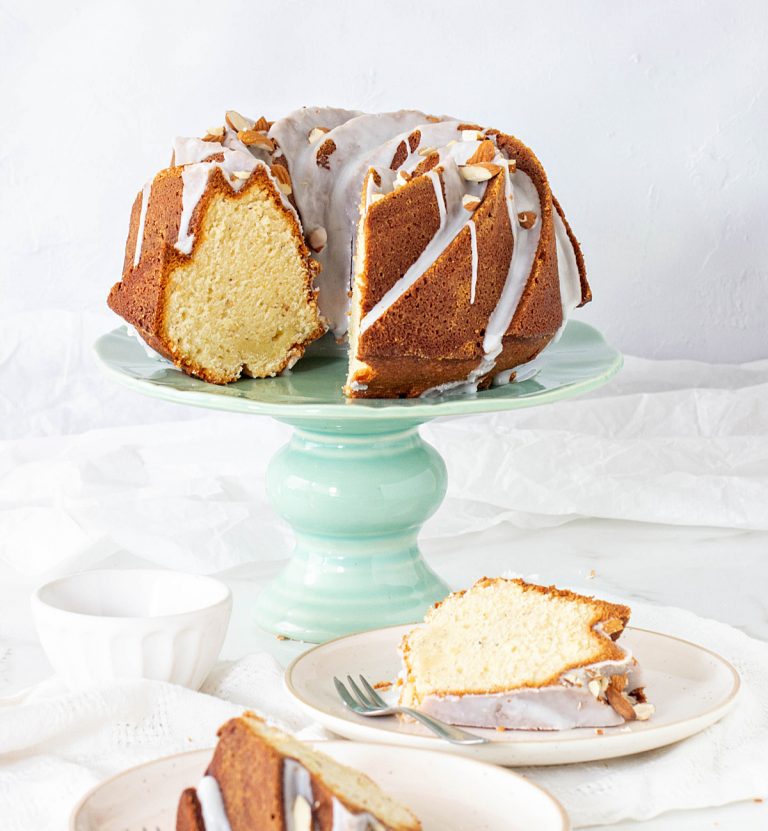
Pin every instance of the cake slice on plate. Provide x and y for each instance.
(512, 655)
(263, 779)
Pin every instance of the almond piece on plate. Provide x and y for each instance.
(470, 202)
(621, 704)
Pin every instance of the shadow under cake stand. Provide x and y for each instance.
(356, 481)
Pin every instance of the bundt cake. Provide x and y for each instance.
(512, 655)
(435, 245)
(261, 779)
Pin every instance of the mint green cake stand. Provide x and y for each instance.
(356, 481)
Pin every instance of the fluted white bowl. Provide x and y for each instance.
(108, 625)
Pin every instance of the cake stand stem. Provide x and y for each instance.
(356, 493)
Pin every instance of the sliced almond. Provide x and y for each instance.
(527, 219)
(316, 133)
(481, 172)
(283, 178)
(595, 688)
(262, 125)
(252, 138)
(433, 119)
(471, 135)
(484, 153)
(317, 239)
(302, 814)
(238, 122)
(214, 134)
(614, 625)
(241, 174)
(402, 177)
(644, 711)
(470, 202)
(324, 152)
(621, 704)
(426, 151)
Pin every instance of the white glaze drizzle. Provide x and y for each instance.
(570, 298)
(438, 188)
(190, 153)
(526, 241)
(568, 270)
(522, 195)
(473, 241)
(330, 197)
(142, 219)
(212, 805)
(297, 783)
(452, 222)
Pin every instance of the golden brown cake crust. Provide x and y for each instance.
(140, 295)
(432, 334)
(189, 816)
(613, 617)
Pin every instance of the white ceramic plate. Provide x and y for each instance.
(690, 686)
(445, 792)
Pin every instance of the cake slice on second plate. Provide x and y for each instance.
(512, 655)
(261, 778)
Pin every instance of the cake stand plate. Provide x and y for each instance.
(356, 481)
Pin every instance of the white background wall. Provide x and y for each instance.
(650, 117)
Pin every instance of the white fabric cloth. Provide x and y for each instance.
(58, 744)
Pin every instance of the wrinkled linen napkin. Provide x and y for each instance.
(55, 745)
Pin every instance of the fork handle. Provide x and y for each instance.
(452, 734)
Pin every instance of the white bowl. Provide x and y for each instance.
(107, 625)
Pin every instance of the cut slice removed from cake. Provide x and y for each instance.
(262, 779)
(508, 654)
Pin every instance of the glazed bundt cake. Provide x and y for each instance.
(436, 246)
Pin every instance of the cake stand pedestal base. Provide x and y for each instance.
(355, 482)
(356, 494)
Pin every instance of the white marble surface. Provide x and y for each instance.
(713, 572)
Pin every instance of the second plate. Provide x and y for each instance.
(690, 686)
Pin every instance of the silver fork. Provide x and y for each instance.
(371, 703)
